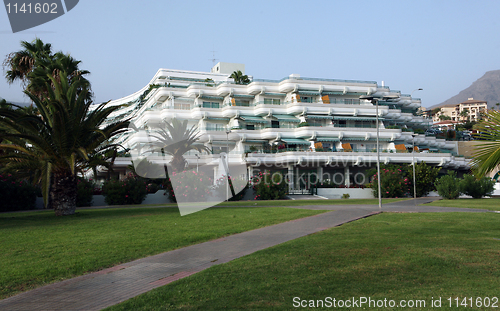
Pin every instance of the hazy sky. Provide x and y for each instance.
(440, 46)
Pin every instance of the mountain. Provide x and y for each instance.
(485, 88)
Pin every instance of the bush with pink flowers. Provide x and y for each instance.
(131, 190)
(270, 186)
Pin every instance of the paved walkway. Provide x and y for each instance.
(108, 287)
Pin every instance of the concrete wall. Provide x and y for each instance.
(98, 200)
(354, 193)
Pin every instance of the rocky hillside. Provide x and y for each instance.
(485, 88)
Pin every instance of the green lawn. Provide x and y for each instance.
(492, 204)
(38, 248)
(394, 256)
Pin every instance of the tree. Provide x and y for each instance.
(487, 154)
(444, 117)
(176, 139)
(33, 66)
(54, 143)
(239, 77)
(464, 114)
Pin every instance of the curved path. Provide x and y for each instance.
(108, 287)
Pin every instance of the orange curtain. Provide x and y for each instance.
(400, 148)
(326, 99)
(347, 147)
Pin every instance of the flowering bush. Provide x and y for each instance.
(394, 183)
(131, 190)
(16, 195)
(270, 186)
(188, 184)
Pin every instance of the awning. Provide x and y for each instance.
(312, 116)
(295, 141)
(212, 97)
(327, 139)
(333, 93)
(374, 139)
(216, 118)
(253, 119)
(357, 118)
(275, 94)
(242, 96)
(255, 141)
(353, 139)
(310, 93)
(286, 118)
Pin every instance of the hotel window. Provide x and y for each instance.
(272, 101)
(211, 105)
(351, 101)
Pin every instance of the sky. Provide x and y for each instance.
(440, 46)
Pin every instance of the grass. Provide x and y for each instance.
(394, 256)
(38, 248)
(492, 204)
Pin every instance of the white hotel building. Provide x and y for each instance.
(296, 125)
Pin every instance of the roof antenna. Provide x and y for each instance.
(214, 60)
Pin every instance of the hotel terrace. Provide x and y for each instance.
(299, 126)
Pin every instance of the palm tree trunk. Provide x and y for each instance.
(63, 194)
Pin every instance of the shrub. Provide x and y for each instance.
(477, 189)
(152, 188)
(131, 190)
(240, 194)
(189, 184)
(425, 176)
(448, 186)
(394, 182)
(345, 196)
(16, 195)
(85, 192)
(270, 186)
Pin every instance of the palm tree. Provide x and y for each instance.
(487, 155)
(21, 63)
(176, 139)
(239, 77)
(35, 63)
(54, 143)
(464, 114)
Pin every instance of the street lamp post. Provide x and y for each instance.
(375, 100)
(414, 176)
(228, 130)
(413, 157)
